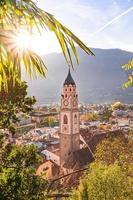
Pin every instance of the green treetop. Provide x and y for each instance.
(18, 180)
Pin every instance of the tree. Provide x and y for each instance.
(24, 14)
(89, 117)
(115, 149)
(106, 115)
(118, 106)
(110, 176)
(129, 71)
(18, 178)
(105, 183)
(49, 121)
(13, 102)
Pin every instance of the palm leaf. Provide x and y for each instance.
(129, 71)
(15, 15)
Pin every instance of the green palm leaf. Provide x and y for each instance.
(24, 14)
(129, 71)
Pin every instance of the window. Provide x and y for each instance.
(65, 119)
(75, 119)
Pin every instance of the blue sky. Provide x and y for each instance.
(88, 20)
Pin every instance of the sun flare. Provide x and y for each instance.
(40, 44)
(23, 40)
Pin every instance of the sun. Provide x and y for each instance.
(23, 40)
(41, 44)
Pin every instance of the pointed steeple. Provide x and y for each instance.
(69, 80)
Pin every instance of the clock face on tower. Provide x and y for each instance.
(65, 102)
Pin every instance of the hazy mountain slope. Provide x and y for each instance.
(99, 79)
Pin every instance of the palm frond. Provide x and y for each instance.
(27, 14)
(15, 15)
(14, 58)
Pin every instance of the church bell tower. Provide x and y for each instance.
(69, 120)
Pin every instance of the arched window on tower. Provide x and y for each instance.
(65, 119)
(75, 119)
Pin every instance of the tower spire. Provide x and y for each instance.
(69, 80)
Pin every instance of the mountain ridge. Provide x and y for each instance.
(99, 78)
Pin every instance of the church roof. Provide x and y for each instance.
(69, 80)
(79, 159)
